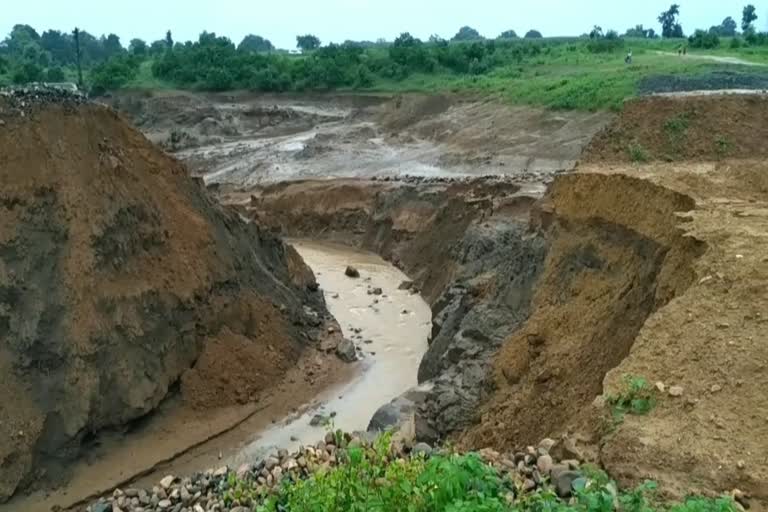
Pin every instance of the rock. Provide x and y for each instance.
(547, 444)
(405, 285)
(318, 420)
(741, 464)
(243, 471)
(422, 449)
(282, 454)
(198, 508)
(166, 482)
(291, 464)
(222, 471)
(101, 507)
(545, 463)
(239, 509)
(186, 497)
(716, 388)
(352, 272)
(661, 387)
(377, 291)
(567, 449)
(346, 351)
(164, 504)
(564, 482)
(270, 463)
(277, 473)
(676, 391)
(528, 485)
(132, 493)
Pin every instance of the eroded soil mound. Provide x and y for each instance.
(696, 128)
(616, 255)
(115, 271)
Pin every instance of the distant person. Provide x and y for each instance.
(685, 50)
(680, 51)
(628, 58)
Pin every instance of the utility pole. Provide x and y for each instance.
(76, 33)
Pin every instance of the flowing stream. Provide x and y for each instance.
(390, 331)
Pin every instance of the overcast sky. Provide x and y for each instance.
(338, 20)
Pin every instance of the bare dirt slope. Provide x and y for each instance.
(696, 128)
(116, 273)
(655, 271)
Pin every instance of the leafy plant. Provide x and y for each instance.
(637, 397)
(676, 128)
(637, 153)
(722, 146)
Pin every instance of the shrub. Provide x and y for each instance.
(703, 39)
(637, 153)
(54, 75)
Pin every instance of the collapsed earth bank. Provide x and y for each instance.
(544, 306)
(119, 278)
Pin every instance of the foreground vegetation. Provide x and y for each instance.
(368, 478)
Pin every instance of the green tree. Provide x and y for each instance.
(748, 17)
(60, 46)
(702, 39)
(111, 46)
(138, 47)
(467, 34)
(254, 43)
(158, 47)
(726, 29)
(640, 32)
(533, 34)
(54, 75)
(508, 34)
(307, 42)
(113, 73)
(26, 73)
(20, 38)
(669, 24)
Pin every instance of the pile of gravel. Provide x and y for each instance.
(22, 101)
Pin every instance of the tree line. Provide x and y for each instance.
(213, 62)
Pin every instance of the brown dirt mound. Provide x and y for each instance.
(115, 268)
(615, 256)
(696, 128)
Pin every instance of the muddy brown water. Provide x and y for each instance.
(393, 333)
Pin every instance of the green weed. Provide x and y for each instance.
(637, 397)
(722, 146)
(638, 153)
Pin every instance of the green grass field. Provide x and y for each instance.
(578, 81)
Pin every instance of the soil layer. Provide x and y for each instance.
(117, 272)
